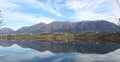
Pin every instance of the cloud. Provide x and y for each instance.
(1, 19)
(24, 17)
(94, 10)
(13, 12)
(8, 5)
(90, 15)
(18, 19)
(46, 20)
(35, 11)
(75, 4)
(18, 54)
(53, 8)
(46, 6)
(34, 4)
(82, 8)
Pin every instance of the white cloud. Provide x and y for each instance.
(8, 5)
(35, 4)
(23, 17)
(90, 15)
(47, 6)
(68, 9)
(94, 10)
(1, 19)
(46, 19)
(18, 19)
(57, 1)
(53, 8)
(75, 4)
(18, 53)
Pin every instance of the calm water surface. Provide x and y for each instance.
(41, 51)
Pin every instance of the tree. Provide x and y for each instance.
(119, 7)
(1, 19)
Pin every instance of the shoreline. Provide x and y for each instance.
(95, 36)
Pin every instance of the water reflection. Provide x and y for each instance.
(36, 51)
(58, 47)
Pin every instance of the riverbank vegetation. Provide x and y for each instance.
(84, 36)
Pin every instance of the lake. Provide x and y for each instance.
(45, 51)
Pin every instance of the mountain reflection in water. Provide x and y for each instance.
(37, 51)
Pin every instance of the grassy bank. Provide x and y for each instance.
(95, 36)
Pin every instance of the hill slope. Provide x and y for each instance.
(6, 31)
(84, 26)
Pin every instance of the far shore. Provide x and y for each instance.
(82, 36)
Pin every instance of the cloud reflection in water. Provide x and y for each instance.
(16, 53)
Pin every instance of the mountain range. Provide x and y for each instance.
(6, 31)
(63, 27)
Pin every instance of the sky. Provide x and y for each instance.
(19, 13)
